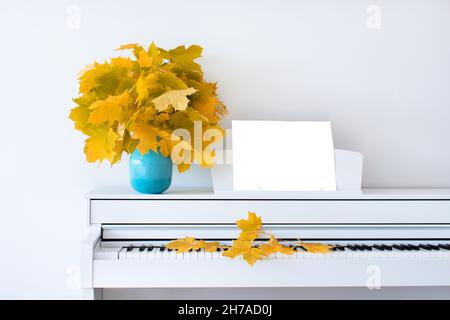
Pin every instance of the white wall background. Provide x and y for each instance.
(386, 92)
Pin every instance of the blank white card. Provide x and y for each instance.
(283, 156)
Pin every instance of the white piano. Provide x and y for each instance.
(384, 237)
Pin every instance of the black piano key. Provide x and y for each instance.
(162, 248)
(340, 248)
(150, 248)
(398, 247)
(444, 246)
(386, 247)
(379, 247)
(359, 247)
(412, 247)
(129, 249)
(141, 249)
(352, 247)
(405, 247)
(366, 247)
(434, 247)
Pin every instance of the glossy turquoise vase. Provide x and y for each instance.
(150, 173)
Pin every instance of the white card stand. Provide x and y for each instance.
(348, 178)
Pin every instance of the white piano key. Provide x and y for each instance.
(184, 256)
(136, 254)
(165, 254)
(143, 253)
(215, 255)
(129, 254)
(173, 255)
(159, 253)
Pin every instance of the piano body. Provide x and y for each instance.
(384, 237)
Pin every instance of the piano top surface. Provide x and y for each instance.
(126, 192)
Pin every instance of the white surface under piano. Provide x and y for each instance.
(399, 236)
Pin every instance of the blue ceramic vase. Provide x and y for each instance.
(150, 173)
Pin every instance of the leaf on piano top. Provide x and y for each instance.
(253, 223)
(315, 247)
(250, 227)
(182, 245)
(273, 246)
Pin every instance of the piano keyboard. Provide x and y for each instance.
(127, 264)
(383, 238)
(344, 251)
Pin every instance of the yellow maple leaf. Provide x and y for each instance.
(273, 246)
(101, 146)
(147, 136)
(316, 247)
(253, 223)
(208, 246)
(237, 248)
(127, 46)
(144, 60)
(170, 81)
(244, 248)
(141, 89)
(253, 255)
(194, 115)
(108, 110)
(154, 52)
(122, 62)
(205, 101)
(161, 117)
(185, 56)
(125, 143)
(89, 67)
(145, 85)
(88, 77)
(182, 245)
(165, 146)
(250, 227)
(175, 98)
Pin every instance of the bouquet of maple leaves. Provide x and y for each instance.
(244, 245)
(138, 101)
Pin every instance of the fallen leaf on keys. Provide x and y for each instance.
(208, 246)
(316, 247)
(189, 243)
(245, 249)
(273, 246)
(244, 246)
(182, 245)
